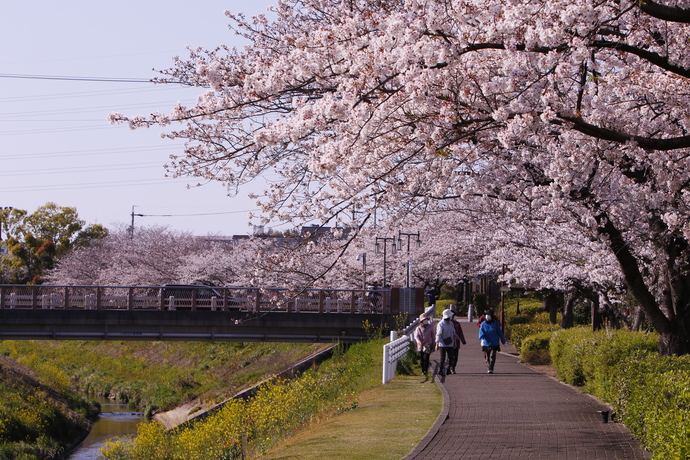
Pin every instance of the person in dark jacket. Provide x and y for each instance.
(491, 336)
(459, 337)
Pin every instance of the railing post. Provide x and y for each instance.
(65, 302)
(34, 300)
(99, 294)
(384, 371)
(322, 297)
(2, 298)
(353, 298)
(257, 301)
(130, 298)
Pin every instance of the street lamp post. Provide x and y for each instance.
(383, 241)
(363, 258)
(418, 243)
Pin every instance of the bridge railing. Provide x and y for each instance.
(250, 299)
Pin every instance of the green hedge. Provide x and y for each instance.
(650, 394)
(517, 333)
(535, 348)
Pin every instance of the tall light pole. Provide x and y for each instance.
(417, 242)
(383, 242)
(363, 258)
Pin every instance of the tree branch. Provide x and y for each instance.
(666, 13)
(610, 135)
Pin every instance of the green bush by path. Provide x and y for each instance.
(278, 408)
(649, 393)
(535, 348)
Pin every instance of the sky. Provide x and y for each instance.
(56, 144)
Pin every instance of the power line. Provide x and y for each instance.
(74, 78)
(82, 169)
(91, 79)
(195, 215)
(47, 187)
(72, 153)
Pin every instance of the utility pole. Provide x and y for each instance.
(131, 229)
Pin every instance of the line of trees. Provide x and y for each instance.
(34, 242)
(563, 124)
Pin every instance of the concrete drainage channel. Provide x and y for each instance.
(194, 411)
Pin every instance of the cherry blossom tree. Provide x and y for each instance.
(575, 111)
(151, 256)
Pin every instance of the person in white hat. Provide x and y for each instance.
(424, 339)
(445, 340)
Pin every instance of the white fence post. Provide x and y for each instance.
(392, 352)
(397, 348)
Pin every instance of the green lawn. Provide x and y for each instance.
(388, 422)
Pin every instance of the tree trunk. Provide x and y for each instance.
(551, 305)
(639, 319)
(596, 316)
(676, 340)
(567, 320)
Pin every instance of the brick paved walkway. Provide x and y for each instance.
(518, 413)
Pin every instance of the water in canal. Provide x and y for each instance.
(115, 420)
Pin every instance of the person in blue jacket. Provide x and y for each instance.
(491, 336)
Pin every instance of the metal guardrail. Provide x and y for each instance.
(246, 299)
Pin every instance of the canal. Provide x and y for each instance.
(114, 421)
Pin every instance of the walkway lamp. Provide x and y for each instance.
(417, 242)
(382, 243)
(363, 258)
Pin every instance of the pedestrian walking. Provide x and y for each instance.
(479, 324)
(432, 296)
(424, 339)
(445, 340)
(459, 337)
(490, 337)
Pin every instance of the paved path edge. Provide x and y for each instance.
(442, 417)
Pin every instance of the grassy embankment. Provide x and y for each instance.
(344, 396)
(42, 383)
(155, 376)
(37, 421)
(339, 410)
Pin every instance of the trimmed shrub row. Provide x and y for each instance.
(650, 394)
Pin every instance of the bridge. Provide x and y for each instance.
(188, 313)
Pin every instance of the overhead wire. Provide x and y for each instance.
(80, 78)
(74, 78)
